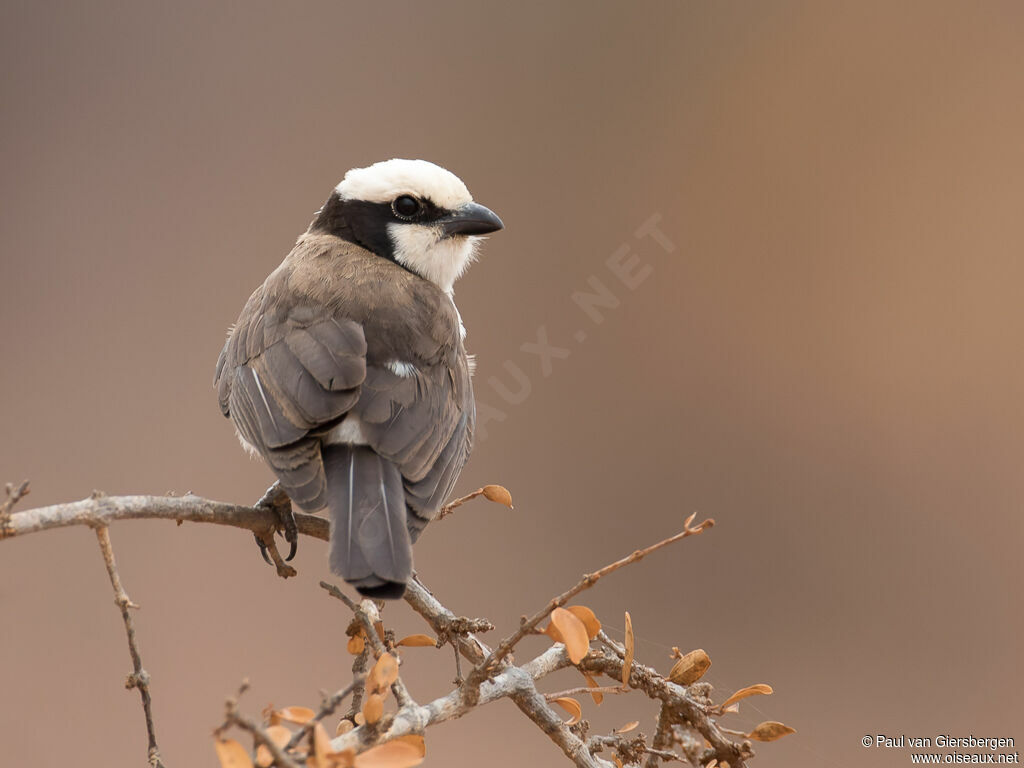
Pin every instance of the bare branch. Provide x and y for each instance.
(327, 708)
(139, 678)
(528, 626)
(233, 717)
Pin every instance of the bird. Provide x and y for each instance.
(347, 372)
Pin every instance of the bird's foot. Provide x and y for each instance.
(276, 500)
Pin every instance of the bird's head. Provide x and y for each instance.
(410, 211)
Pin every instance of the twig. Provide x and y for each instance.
(586, 689)
(107, 509)
(480, 673)
(662, 736)
(12, 496)
(139, 678)
(451, 506)
(361, 612)
(233, 717)
(326, 709)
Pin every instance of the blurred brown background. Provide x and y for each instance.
(828, 363)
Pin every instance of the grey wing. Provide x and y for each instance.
(284, 378)
(424, 424)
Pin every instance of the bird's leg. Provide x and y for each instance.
(277, 501)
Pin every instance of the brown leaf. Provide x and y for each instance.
(592, 683)
(418, 641)
(499, 494)
(627, 664)
(321, 746)
(627, 727)
(296, 715)
(690, 668)
(588, 618)
(617, 761)
(750, 690)
(383, 674)
(573, 634)
(280, 736)
(355, 646)
(344, 726)
(359, 719)
(373, 707)
(344, 759)
(572, 707)
(403, 752)
(770, 731)
(231, 754)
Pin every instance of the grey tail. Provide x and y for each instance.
(370, 546)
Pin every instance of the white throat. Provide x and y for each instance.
(426, 251)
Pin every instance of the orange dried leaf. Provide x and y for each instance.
(383, 674)
(344, 759)
(231, 754)
(573, 632)
(296, 715)
(572, 707)
(770, 731)
(344, 726)
(356, 644)
(359, 719)
(403, 752)
(751, 690)
(418, 641)
(499, 494)
(592, 683)
(280, 736)
(627, 727)
(321, 745)
(373, 707)
(627, 664)
(617, 761)
(690, 668)
(588, 618)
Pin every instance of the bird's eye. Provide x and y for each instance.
(405, 206)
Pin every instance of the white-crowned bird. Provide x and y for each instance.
(346, 371)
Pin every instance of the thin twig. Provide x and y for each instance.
(326, 710)
(11, 497)
(139, 678)
(581, 689)
(233, 717)
(376, 642)
(451, 506)
(480, 673)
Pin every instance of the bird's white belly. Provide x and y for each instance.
(350, 431)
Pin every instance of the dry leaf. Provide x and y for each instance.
(627, 727)
(231, 754)
(418, 641)
(359, 719)
(750, 690)
(499, 494)
(572, 632)
(732, 709)
(321, 746)
(383, 674)
(617, 761)
(356, 644)
(373, 707)
(627, 664)
(280, 736)
(690, 668)
(592, 683)
(344, 759)
(572, 707)
(403, 752)
(713, 763)
(588, 618)
(296, 715)
(770, 731)
(344, 726)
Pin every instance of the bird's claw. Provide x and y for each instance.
(277, 501)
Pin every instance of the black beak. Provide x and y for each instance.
(471, 219)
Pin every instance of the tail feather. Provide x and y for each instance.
(370, 546)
